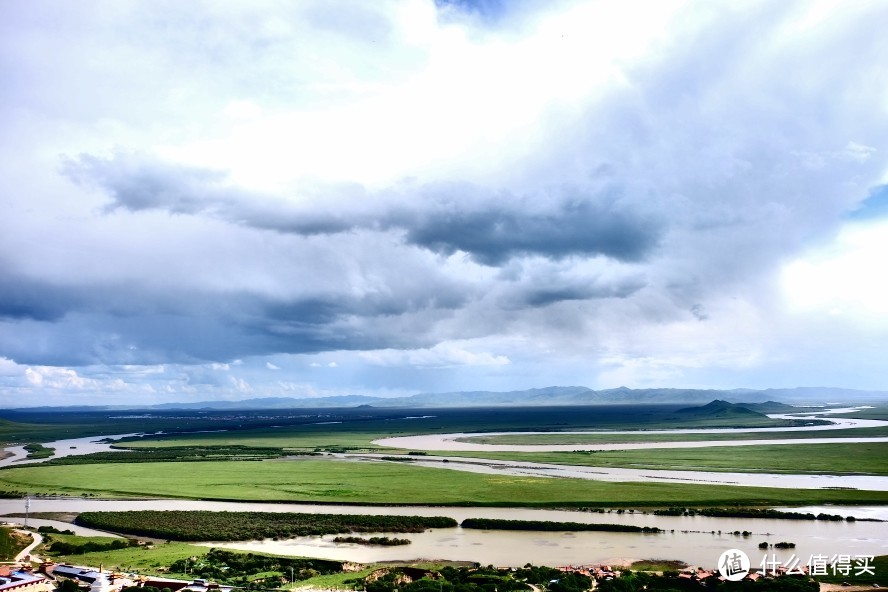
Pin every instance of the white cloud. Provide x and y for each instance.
(419, 195)
(48, 377)
(843, 278)
(9, 367)
(442, 355)
(240, 385)
(467, 103)
(322, 365)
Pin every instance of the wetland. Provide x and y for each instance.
(341, 462)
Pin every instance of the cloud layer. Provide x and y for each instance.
(222, 200)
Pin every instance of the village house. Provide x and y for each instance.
(23, 580)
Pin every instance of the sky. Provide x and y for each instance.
(227, 200)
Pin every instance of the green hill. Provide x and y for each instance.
(720, 413)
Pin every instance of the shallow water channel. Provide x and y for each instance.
(694, 539)
(61, 448)
(467, 441)
(619, 474)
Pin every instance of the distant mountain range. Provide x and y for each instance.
(765, 401)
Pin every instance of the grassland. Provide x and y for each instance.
(641, 436)
(150, 560)
(310, 428)
(357, 432)
(170, 454)
(293, 439)
(340, 581)
(658, 565)
(162, 559)
(46, 427)
(148, 472)
(327, 481)
(833, 459)
(11, 543)
(876, 412)
(300, 439)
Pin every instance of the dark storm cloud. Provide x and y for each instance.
(544, 296)
(444, 218)
(59, 324)
(29, 299)
(497, 233)
(189, 337)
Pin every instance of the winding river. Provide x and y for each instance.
(694, 539)
(615, 474)
(462, 442)
(70, 447)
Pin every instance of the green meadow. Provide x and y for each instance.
(310, 428)
(11, 543)
(146, 559)
(231, 445)
(833, 459)
(295, 439)
(642, 436)
(335, 481)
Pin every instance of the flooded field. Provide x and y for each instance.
(694, 539)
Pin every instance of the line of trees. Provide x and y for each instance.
(239, 569)
(382, 541)
(66, 548)
(750, 513)
(172, 454)
(245, 526)
(543, 525)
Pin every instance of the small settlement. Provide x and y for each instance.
(48, 576)
(23, 578)
(605, 572)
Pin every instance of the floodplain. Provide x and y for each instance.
(338, 456)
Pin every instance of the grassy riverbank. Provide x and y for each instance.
(149, 560)
(186, 561)
(329, 481)
(642, 436)
(832, 459)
